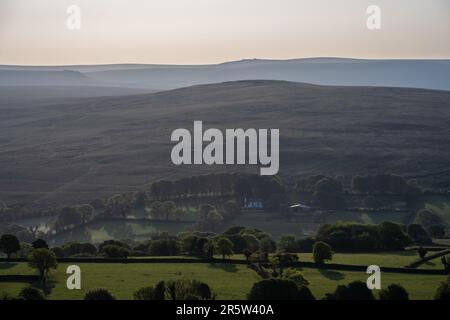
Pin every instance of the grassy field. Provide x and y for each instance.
(228, 281)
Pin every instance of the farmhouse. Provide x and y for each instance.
(253, 204)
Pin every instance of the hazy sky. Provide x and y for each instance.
(210, 31)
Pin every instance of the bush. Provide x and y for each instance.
(99, 294)
(322, 252)
(443, 291)
(279, 289)
(185, 289)
(356, 290)
(151, 293)
(394, 292)
(31, 293)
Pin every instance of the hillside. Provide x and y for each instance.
(76, 150)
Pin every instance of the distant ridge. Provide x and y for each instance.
(408, 73)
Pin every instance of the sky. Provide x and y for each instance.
(212, 31)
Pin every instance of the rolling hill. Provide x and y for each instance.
(71, 150)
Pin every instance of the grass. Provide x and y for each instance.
(228, 281)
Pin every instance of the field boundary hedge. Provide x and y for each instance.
(310, 265)
(18, 278)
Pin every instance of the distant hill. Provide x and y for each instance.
(44, 78)
(427, 74)
(78, 149)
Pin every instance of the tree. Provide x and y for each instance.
(252, 244)
(436, 231)
(418, 234)
(328, 194)
(296, 276)
(113, 251)
(99, 294)
(356, 290)
(281, 260)
(231, 209)
(31, 293)
(209, 249)
(40, 243)
(443, 291)
(224, 247)
(279, 289)
(287, 243)
(394, 292)
(428, 218)
(322, 252)
(43, 260)
(267, 245)
(168, 208)
(9, 244)
(178, 213)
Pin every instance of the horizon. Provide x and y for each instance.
(225, 62)
(182, 32)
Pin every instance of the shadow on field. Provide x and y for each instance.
(332, 275)
(228, 267)
(7, 265)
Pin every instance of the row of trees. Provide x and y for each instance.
(238, 185)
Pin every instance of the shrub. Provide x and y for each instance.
(31, 293)
(151, 293)
(99, 294)
(185, 289)
(394, 292)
